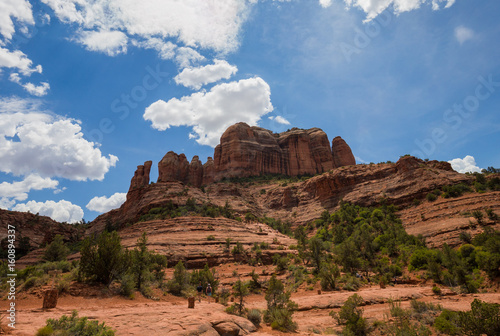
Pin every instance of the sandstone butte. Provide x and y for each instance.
(249, 151)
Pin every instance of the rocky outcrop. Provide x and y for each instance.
(141, 176)
(173, 167)
(195, 172)
(250, 151)
(341, 152)
(208, 171)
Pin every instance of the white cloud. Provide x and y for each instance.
(18, 9)
(62, 211)
(325, 3)
(104, 204)
(281, 120)
(186, 57)
(35, 141)
(202, 24)
(210, 113)
(39, 91)
(19, 190)
(17, 60)
(195, 78)
(166, 50)
(463, 34)
(374, 7)
(467, 164)
(111, 43)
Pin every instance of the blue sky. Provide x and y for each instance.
(91, 89)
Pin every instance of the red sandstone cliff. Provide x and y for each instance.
(249, 151)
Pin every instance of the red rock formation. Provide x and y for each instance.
(208, 171)
(341, 152)
(173, 167)
(141, 176)
(250, 151)
(195, 173)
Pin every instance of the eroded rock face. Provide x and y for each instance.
(173, 167)
(195, 173)
(141, 176)
(250, 151)
(341, 152)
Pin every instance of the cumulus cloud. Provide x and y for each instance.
(195, 78)
(34, 141)
(210, 113)
(17, 60)
(19, 190)
(374, 7)
(20, 10)
(104, 204)
(465, 165)
(62, 211)
(463, 34)
(109, 42)
(37, 90)
(193, 23)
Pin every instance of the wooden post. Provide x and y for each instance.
(191, 302)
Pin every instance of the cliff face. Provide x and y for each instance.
(249, 151)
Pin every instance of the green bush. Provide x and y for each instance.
(180, 281)
(352, 317)
(103, 259)
(56, 250)
(75, 326)
(127, 285)
(329, 274)
(254, 316)
(483, 318)
(447, 323)
(431, 197)
(279, 307)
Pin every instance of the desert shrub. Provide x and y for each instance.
(350, 282)
(281, 262)
(279, 307)
(211, 237)
(240, 290)
(431, 197)
(146, 266)
(483, 318)
(352, 317)
(329, 274)
(456, 190)
(436, 290)
(103, 259)
(254, 284)
(491, 215)
(180, 281)
(478, 215)
(127, 285)
(238, 248)
(254, 316)
(75, 326)
(56, 250)
(447, 323)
